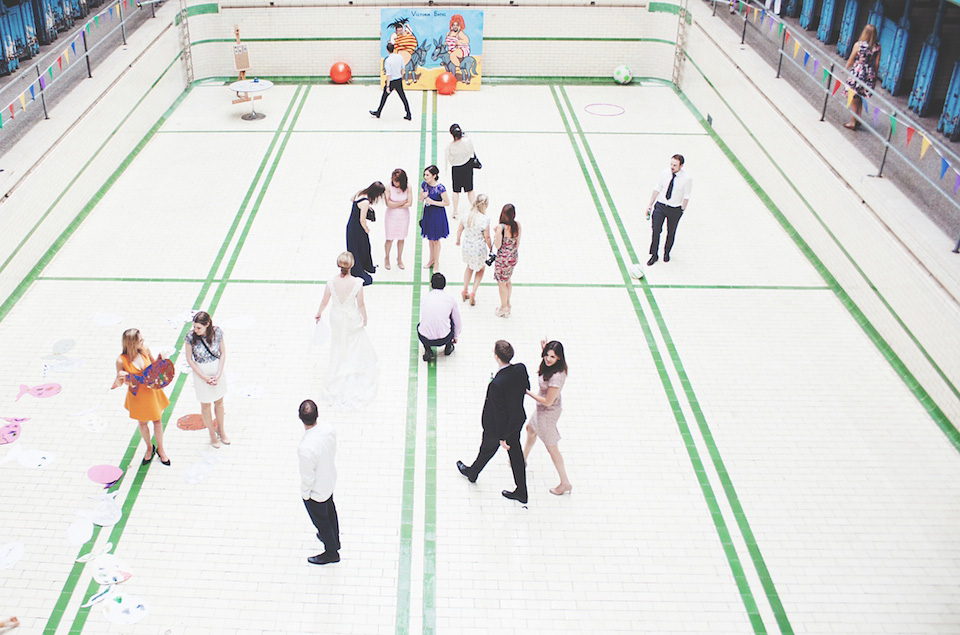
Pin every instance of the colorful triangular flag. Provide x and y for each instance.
(850, 94)
(806, 58)
(956, 184)
(33, 96)
(943, 167)
(836, 86)
(11, 110)
(910, 132)
(73, 47)
(893, 125)
(23, 101)
(43, 82)
(50, 71)
(796, 49)
(816, 65)
(60, 63)
(924, 145)
(876, 115)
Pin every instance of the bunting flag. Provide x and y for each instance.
(850, 94)
(88, 28)
(23, 106)
(924, 145)
(806, 58)
(780, 31)
(111, 13)
(943, 167)
(11, 110)
(816, 65)
(96, 20)
(1, 128)
(866, 106)
(33, 96)
(755, 12)
(796, 49)
(60, 63)
(73, 47)
(893, 125)
(956, 184)
(43, 83)
(836, 86)
(826, 77)
(50, 71)
(786, 38)
(66, 56)
(771, 24)
(910, 132)
(876, 115)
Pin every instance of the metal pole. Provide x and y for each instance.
(956, 249)
(714, 8)
(886, 148)
(783, 42)
(743, 35)
(43, 101)
(85, 53)
(123, 33)
(826, 96)
(153, 9)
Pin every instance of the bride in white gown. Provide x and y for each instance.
(351, 380)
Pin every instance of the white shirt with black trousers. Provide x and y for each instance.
(673, 190)
(318, 475)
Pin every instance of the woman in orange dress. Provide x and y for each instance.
(148, 404)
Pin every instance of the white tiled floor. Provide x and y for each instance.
(770, 397)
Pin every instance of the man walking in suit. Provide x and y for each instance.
(317, 478)
(503, 417)
(668, 201)
(393, 69)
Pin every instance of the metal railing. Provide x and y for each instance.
(26, 99)
(894, 136)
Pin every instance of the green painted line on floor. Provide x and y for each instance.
(74, 576)
(108, 279)
(405, 558)
(928, 403)
(9, 303)
(83, 169)
(430, 468)
(706, 489)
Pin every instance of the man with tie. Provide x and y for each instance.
(668, 202)
(503, 416)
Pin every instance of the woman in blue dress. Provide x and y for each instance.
(433, 225)
(358, 232)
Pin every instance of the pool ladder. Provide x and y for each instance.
(183, 32)
(679, 53)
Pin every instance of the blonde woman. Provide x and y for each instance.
(206, 353)
(148, 403)
(863, 59)
(475, 232)
(352, 370)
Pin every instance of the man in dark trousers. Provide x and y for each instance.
(668, 202)
(393, 69)
(503, 417)
(317, 450)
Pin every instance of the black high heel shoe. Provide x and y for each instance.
(167, 462)
(153, 452)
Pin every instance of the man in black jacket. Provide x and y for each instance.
(503, 417)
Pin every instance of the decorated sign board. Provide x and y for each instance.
(432, 41)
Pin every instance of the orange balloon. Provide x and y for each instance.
(446, 83)
(340, 73)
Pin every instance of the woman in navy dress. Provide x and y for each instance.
(358, 232)
(433, 225)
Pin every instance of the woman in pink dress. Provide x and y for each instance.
(397, 217)
(543, 423)
(506, 242)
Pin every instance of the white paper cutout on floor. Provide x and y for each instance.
(183, 366)
(237, 323)
(166, 352)
(108, 568)
(121, 608)
(87, 557)
(182, 318)
(63, 365)
(63, 347)
(98, 597)
(247, 391)
(9, 432)
(199, 471)
(92, 423)
(80, 531)
(29, 458)
(107, 512)
(40, 391)
(10, 554)
(105, 319)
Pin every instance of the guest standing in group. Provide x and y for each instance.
(503, 416)
(396, 221)
(506, 242)
(148, 403)
(668, 202)
(863, 60)
(393, 70)
(207, 354)
(543, 423)
(433, 225)
(318, 476)
(358, 231)
(351, 380)
(475, 230)
(459, 157)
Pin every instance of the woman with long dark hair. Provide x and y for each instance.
(206, 353)
(506, 242)
(396, 221)
(543, 424)
(459, 156)
(433, 225)
(358, 231)
(146, 404)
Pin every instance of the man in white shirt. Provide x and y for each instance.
(393, 69)
(668, 201)
(439, 319)
(317, 478)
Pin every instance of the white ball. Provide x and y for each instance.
(622, 75)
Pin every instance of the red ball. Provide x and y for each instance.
(446, 83)
(340, 73)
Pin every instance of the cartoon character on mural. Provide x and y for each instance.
(433, 41)
(403, 40)
(458, 44)
(463, 69)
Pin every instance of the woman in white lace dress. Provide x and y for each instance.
(475, 232)
(351, 380)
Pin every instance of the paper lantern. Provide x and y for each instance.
(446, 83)
(340, 73)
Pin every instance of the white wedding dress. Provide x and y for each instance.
(351, 380)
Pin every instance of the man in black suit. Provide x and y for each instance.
(503, 417)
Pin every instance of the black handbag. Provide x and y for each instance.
(371, 215)
(475, 163)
